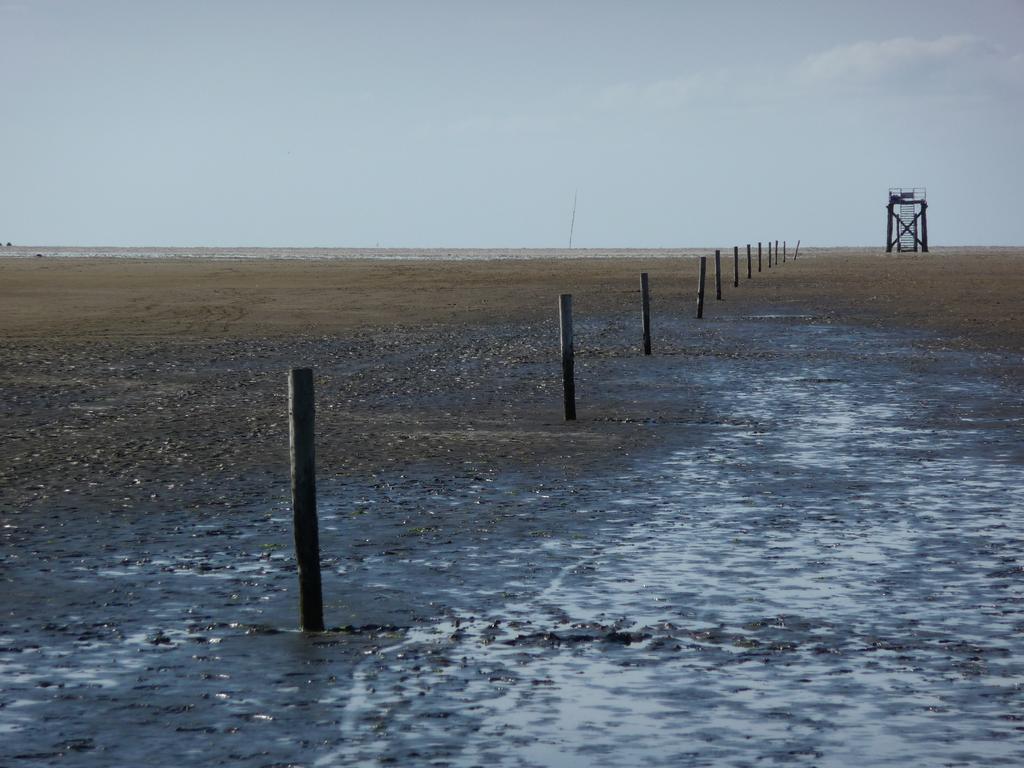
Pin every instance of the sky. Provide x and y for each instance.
(474, 124)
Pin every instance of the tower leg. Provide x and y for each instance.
(924, 226)
(888, 229)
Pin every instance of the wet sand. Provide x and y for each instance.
(144, 470)
(121, 372)
(969, 294)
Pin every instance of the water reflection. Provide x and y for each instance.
(835, 585)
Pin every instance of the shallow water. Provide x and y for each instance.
(829, 579)
(824, 570)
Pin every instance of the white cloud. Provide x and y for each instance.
(495, 125)
(661, 94)
(873, 60)
(1013, 69)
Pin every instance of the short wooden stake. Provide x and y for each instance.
(307, 537)
(749, 263)
(718, 275)
(645, 311)
(735, 266)
(568, 369)
(700, 286)
(758, 257)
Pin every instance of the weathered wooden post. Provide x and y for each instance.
(749, 263)
(700, 286)
(718, 275)
(783, 251)
(796, 250)
(304, 520)
(769, 254)
(776, 253)
(735, 266)
(759, 257)
(645, 311)
(568, 372)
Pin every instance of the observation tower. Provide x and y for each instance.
(908, 215)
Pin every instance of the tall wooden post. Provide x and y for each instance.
(797, 250)
(759, 257)
(749, 263)
(645, 311)
(568, 372)
(783, 251)
(769, 254)
(718, 275)
(700, 286)
(735, 266)
(307, 536)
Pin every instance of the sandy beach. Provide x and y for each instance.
(969, 294)
(144, 469)
(133, 368)
(783, 529)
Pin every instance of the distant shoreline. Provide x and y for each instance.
(437, 254)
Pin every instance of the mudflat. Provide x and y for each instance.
(971, 295)
(121, 370)
(817, 474)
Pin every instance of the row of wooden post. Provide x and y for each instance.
(565, 310)
(301, 415)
